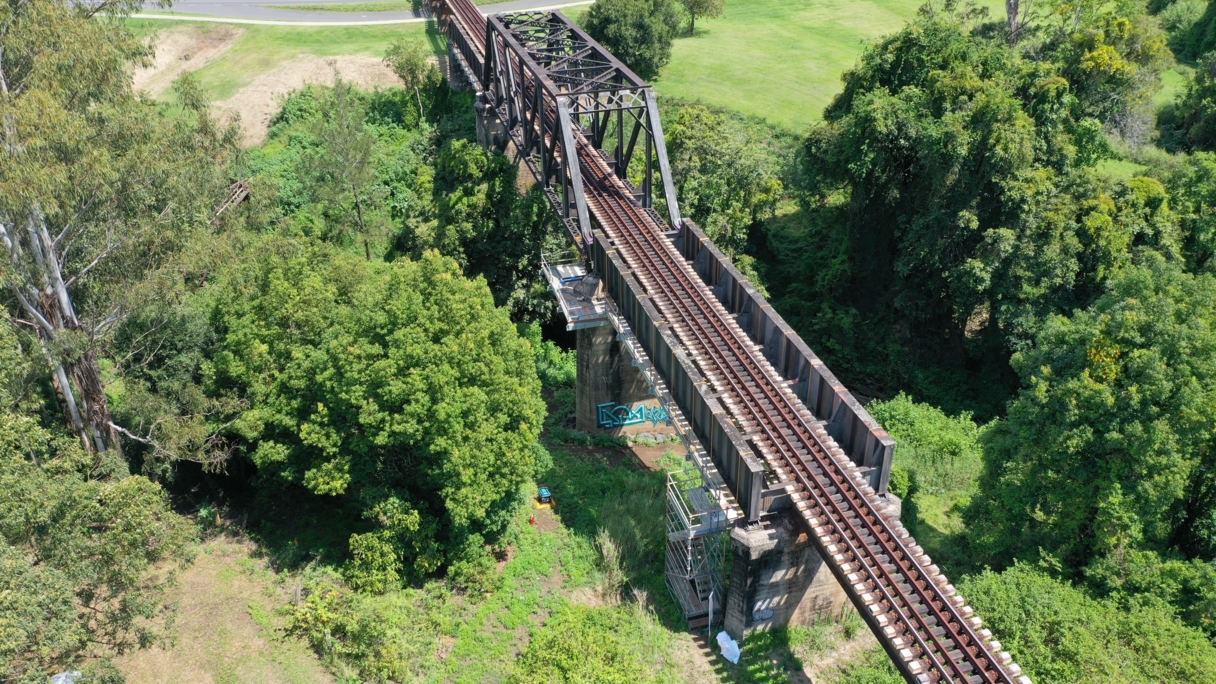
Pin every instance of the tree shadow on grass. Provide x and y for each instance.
(767, 657)
(297, 528)
(292, 526)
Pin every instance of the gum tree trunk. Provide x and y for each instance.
(40, 289)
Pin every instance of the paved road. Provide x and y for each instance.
(257, 11)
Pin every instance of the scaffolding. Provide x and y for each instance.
(697, 546)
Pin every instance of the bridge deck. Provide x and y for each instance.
(925, 626)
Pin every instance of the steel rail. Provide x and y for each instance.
(941, 629)
(620, 227)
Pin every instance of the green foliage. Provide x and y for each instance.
(726, 182)
(948, 201)
(430, 187)
(702, 8)
(106, 188)
(943, 453)
(555, 366)
(344, 627)
(594, 645)
(76, 548)
(1112, 55)
(873, 667)
(1191, 36)
(434, 633)
(473, 568)
(340, 164)
(1192, 197)
(1178, 17)
(1190, 122)
(38, 625)
(637, 32)
(1187, 587)
(400, 385)
(1060, 635)
(1110, 444)
(410, 59)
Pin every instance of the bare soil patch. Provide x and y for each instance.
(698, 662)
(229, 627)
(183, 49)
(546, 521)
(650, 455)
(257, 102)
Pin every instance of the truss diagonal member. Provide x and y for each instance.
(669, 190)
(576, 177)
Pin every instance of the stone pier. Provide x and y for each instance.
(777, 577)
(613, 397)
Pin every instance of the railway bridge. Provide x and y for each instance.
(783, 513)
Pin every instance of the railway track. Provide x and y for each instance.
(922, 622)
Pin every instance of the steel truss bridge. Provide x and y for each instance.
(763, 408)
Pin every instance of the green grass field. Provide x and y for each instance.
(262, 48)
(777, 59)
(780, 59)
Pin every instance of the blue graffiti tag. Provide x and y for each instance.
(612, 415)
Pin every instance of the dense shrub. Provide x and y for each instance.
(1061, 635)
(365, 638)
(944, 453)
(556, 367)
(398, 385)
(593, 645)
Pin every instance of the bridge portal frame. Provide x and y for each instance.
(551, 83)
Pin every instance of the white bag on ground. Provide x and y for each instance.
(730, 648)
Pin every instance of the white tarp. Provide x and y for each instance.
(730, 649)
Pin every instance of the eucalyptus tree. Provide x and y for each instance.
(97, 188)
(410, 59)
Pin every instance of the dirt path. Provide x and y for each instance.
(184, 49)
(257, 102)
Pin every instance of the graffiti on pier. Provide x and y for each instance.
(613, 415)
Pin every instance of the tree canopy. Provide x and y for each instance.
(97, 188)
(77, 540)
(637, 32)
(1061, 635)
(951, 198)
(702, 8)
(400, 385)
(1110, 444)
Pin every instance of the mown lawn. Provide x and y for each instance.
(780, 59)
(777, 59)
(262, 48)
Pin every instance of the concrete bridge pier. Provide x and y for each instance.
(491, 133)
(778, 578)
(612, 395)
